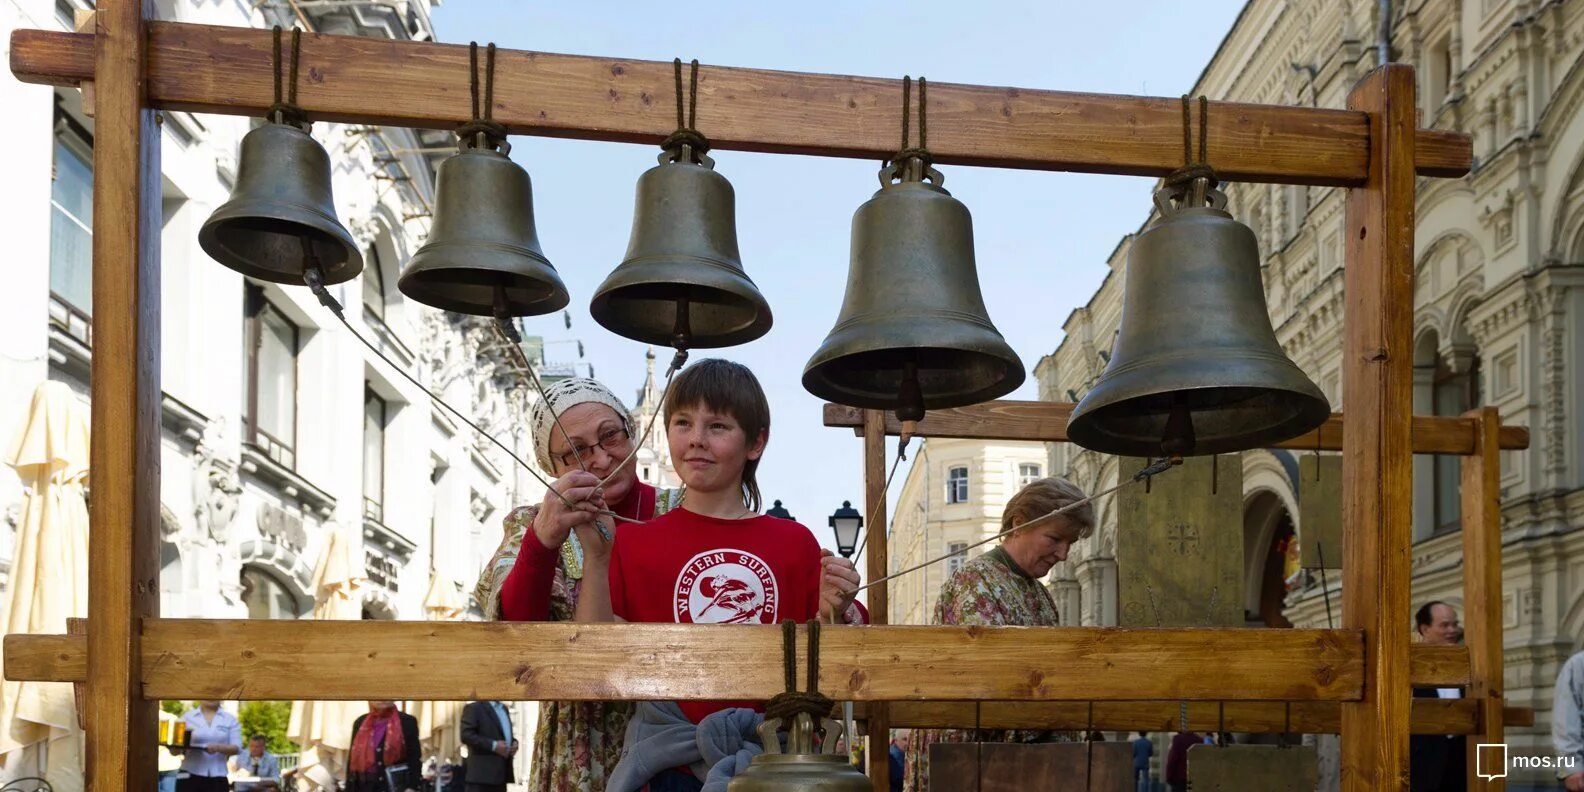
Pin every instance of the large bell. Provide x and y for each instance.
(800, 769)
(1196, 368)
(682, 282)
(913, 333)
(281, 219)
(482, 256)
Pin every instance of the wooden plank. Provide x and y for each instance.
(255, 659)
(1319, 488)
(425, 84)
(877, 566)
(1047, 422)
(1482, 588)
(1377, 461)
(123, 551)
(1430, 716)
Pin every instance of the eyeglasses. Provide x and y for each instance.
(609, 440)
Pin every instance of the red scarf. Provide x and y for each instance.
(364, 743)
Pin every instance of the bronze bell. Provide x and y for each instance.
(682, 282)
(913, 333)
(800, 769)
(1196, 368)
(482, 256)
(281, 219)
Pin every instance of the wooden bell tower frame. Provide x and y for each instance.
(1354, 679)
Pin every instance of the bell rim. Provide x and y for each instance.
(601, 310)
(502, 247)
(411, 285)
(1083, 425)
(818, 384)
(340, 272)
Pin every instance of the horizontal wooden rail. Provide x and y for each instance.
(1047, 422)
(1430, 716)
(353, 79)
(198, 658)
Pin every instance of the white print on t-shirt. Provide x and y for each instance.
(726, 587)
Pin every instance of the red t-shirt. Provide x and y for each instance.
(683, 567)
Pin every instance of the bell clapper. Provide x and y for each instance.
(681, 336)
(1177, 440)
(910, 403)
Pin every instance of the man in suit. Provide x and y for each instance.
(487, 732)
(1437, 762)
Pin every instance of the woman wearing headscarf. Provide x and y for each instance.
(384, 739)
(1003, 587)
(547, 550)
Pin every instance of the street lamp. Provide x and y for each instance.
(846, 522)
(778, 511)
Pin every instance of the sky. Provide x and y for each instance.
(1041, 239)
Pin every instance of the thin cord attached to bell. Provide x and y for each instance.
(1156, 468)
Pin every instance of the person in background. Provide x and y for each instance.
(214, 734)
(1436, 762)
(487, 732)
(385, 739)
(257, 763)
(1567, 722)
(1177, 760)
(1143, 749)
(899, 746)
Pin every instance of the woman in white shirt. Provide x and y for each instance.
(213, 735)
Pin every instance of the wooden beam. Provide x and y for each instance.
(123, 554)
(1430, 716)
(256, 659)
(64, 658)
(1377, 454)
(877, 728)
(1482, 589)
(1047, 422)
(354, 79)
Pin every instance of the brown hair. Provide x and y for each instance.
(1042, 497)
(725, 387)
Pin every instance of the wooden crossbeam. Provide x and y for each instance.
(353, 79)
(255, 659)
(1047, 422)
(1430, 716)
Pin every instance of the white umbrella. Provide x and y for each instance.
(324, 728)
(49, 581)
(440, 722)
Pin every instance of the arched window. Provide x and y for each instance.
(373, 284)
(267, 597)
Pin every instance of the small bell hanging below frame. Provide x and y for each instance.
(1196, 368)
(800, 769)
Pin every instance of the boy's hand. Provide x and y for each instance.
(838, 584)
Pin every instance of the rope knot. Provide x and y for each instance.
(288, 114)
(685, 136)
(480, 133)
(787, 706)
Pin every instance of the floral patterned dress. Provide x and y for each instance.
(577, 742)
(988, 591)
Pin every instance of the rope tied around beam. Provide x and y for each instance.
(908, 151)
(787, 706)
(1194, 168)
(686, 143)
(285, 109)
(483, 131)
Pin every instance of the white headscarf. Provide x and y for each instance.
(559, 398)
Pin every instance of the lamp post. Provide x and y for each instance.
(778, 511)
(846, 522)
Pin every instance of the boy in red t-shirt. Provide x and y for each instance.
(715, 559)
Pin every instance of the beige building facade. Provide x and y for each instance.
(952, 498)
(1499, 304)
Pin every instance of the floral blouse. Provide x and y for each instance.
(988, 591)
(577, 742)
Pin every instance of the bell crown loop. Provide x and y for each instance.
(911, 166)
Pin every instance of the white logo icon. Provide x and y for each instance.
(1490, 760)
(726, 587)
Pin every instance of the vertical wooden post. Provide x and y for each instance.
(1377, 461)
(1482, 590)
(123, 550)
(879, 725)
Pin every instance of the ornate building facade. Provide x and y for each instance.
(1499, 302)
